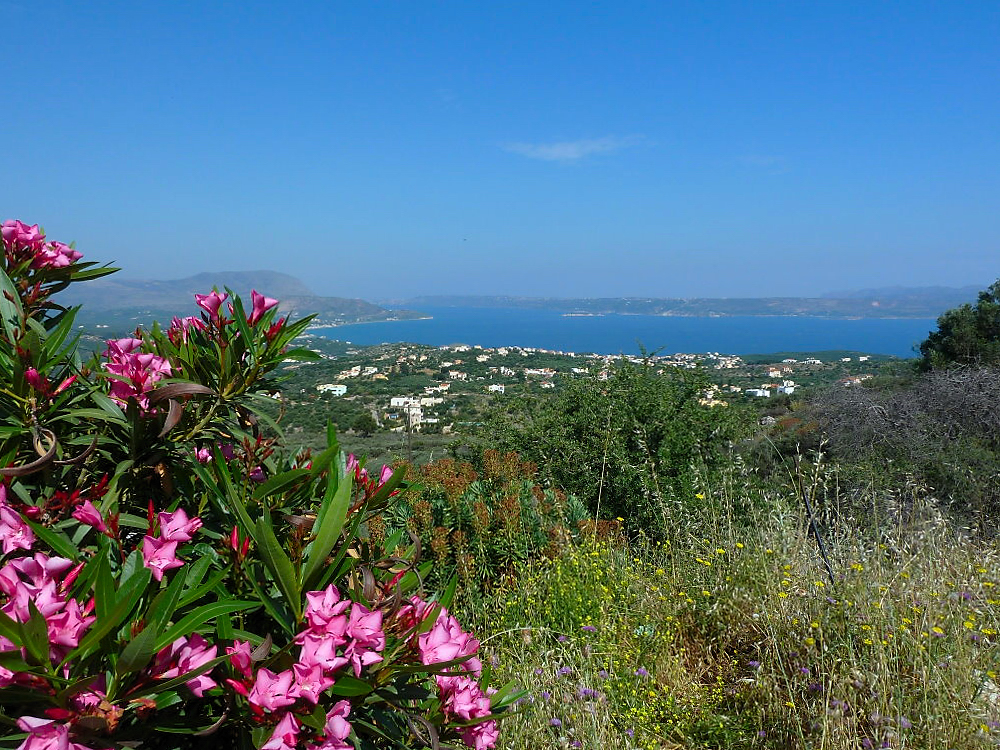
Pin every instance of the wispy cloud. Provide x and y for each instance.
(569, 151)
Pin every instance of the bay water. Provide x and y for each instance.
(625, 334)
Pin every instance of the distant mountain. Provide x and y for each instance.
(138, 300)
(950, 296)
(898, 304)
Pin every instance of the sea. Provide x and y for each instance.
(631, 334)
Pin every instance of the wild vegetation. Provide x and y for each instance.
(827, 582)
(639, 567)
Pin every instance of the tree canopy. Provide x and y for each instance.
(966, 335)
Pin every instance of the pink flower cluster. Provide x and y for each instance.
(368, 484)
(339, 633)
(136, 371)
(186, 655)
(46, 734)
(15, 533)
(462, 698)
(212, 303)
(159, 553)
(180, 328)
(42, 582)
(22, 242)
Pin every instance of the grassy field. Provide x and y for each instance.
(732, 635)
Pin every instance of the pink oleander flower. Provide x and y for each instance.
(45, 734)
(17, 235)
(15, 533)
(274, 691)
(325, 612)
(211, 303)
(481, 736)
(446, 641)
(92, 697)
(177, 527)
(412, 614)
(88, 513)
(66, 627)
(285, 735)
(55, 255)
(321, 650)
(365, 638)
(6, 676)
(240, 656)
(181, 328)
(384, 476)
(261, 305)
(186, 655)
(35, 572)
(46, 599)
(136, 371)
(311, 681)
(337, 728)
(159, 555)
(462, 698)
(119, 347)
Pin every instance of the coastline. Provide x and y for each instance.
(323, 326)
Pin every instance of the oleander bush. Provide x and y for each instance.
(172, 578)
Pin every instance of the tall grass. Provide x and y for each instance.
(731, 635)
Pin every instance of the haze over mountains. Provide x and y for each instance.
(142, 300)
(894, 302)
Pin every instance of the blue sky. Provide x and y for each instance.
(387, 149)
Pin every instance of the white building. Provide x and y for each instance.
(402, 402)
(496, 388)
(334, 389)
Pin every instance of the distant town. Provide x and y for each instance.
(411, 388)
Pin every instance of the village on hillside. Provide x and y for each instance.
(412, 388)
